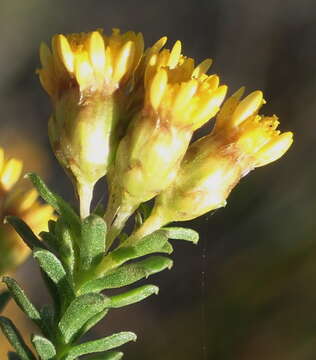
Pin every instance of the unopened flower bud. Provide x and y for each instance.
(87, 77)
(241, 141)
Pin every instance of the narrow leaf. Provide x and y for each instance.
(48, 317)
(92, 245)
(133, 296)
(25, 232)
(111, 355)
(15, 339)
(44, 347)
(81, 310)
(4, 299)
(100, 345)
(128, 274)
(61, 206)
(22, 300)
(90, 323)
(65, 245)
(180, 233)
(55, 271)
(147, 245)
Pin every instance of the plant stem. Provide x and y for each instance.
(85, 192)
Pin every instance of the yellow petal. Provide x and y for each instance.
(202, 68)
(247, 107)
(65, 52)
(83, 71)
(274, 149)
(46, 57)
(158, 87)
(24, 202)
(97, 52)
(108, 67)
(210, 107)
(11, 173)
(124, 60)
(46, 81)
(174, 55)
(185, 94)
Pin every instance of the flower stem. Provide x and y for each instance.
(85, 192)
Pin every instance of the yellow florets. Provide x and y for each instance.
(254, 135)
(181, 94)
(18, 200)
(91, 61)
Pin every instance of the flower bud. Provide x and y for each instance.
(87, 76)
(214, 164)
(178, 99)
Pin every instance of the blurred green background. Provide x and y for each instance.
(247, 291)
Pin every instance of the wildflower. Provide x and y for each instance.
(241, 141)
(178, 99)
(17, 200)
(88, 77)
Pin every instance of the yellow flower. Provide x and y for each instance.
(178, 99)
(16, 199)
(89, 77)
(241, 141)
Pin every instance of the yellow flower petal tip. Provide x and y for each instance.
(247, 107)
(11, 174)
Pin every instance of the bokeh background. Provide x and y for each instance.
(247, 291)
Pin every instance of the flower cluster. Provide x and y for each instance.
(130, 114)
(18, 200)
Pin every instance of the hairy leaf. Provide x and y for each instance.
(4, 298)
(92, 245)
(100, 345)
(133, 296)
(44, 347)
(81, 310)
(180, 233)
(22, 300)
(128, 274)
(15, 339)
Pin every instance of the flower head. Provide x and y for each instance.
(241, 141)
(89, 77)
(178, 99)
(18, 200)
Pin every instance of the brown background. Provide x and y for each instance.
(248, 290)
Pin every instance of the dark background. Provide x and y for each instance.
(247, 291)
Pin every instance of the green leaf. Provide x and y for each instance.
(61, 206)
(133, 296)
(4, 299)
(90, 323)
(111, 355)
(55, 271)
(167, 248)
(65, 245)
(147, 245)
(22, 300)
(48, 317)
(25, 232)
(180, 233)
(44, 347)
(92, 245)
(15, 339)
(100, 345)
(81, 310)
(128, 274)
